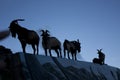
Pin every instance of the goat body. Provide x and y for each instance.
(50, 43)
(25, 36)
(98, 61)
(70, 48)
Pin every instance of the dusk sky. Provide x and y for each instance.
(96, 23)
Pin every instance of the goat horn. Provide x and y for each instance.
(100, 49)
(47, 31)
(18, 20)
(97, 49)
(42, 31)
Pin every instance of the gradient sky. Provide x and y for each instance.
(96, 23)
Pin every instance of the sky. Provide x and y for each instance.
(96, 23)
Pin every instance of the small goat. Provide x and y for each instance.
(101, 57)
(50, 43)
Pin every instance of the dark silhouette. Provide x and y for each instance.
(101, 57)
(25, 36)
(71, 47)
(4, 50)
(5, 54)
(50, 43)
(96, 60)
(4, 34)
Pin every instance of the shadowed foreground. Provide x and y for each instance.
(38, 67)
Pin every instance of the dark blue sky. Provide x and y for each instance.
(96, 23)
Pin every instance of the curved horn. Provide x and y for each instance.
(97, 49)
(100, 49)
(18, 20)
(42, 31)
(47, 31)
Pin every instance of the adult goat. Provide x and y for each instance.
(25, 36)
(50, 43)
(71, 47)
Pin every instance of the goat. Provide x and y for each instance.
(25, 36)
(71, 47)
(101, 56)
(50, 43)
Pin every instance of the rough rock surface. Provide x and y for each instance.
(22, 66)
